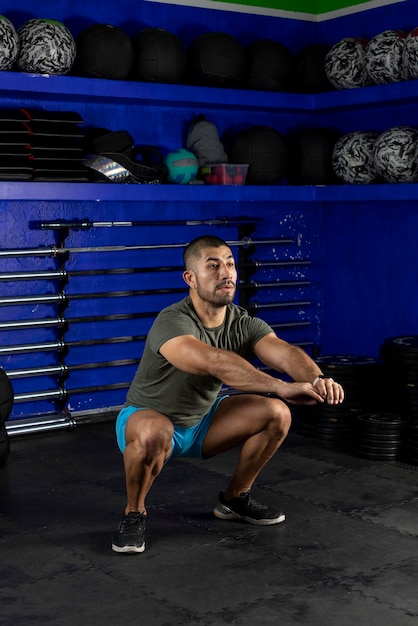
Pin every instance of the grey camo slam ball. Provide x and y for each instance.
(410, 56)
(46, 47)
(345, 64)
(352, 158)
(9, 43)
(383, 56)
(396, 154)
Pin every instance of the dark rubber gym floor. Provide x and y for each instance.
(346, 555)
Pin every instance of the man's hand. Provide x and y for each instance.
(329, 389)
(305, 393)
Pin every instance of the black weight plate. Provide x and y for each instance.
(345, 360)
(317, 433)
(371, 433)
(383, 419)
(392, 452)
(331, 422)
(377, 457)
(409, 342)
(384, 439)
(371, 443)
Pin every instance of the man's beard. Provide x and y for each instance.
(217, 298)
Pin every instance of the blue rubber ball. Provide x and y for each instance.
(182, 166)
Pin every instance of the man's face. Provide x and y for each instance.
(216, 276)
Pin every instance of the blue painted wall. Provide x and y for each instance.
(186, 22)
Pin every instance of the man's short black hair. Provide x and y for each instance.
(194, 249)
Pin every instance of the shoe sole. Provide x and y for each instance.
(222, 512)
(128, 549)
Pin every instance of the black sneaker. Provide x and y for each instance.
(245, 508)
(130, 535)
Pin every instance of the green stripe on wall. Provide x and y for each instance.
(305, 10)
(301, 6)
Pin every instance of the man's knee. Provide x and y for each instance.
(150, 436)
(281, 418)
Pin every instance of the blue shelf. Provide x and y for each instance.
(375, 96)
(21, 87)
(15, 85)
(110, 192)
(46, 88)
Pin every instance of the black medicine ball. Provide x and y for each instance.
(104, 51)
(159, 56)
(216, 59)
(269, 66)
(310, 75)
(266, 152)
(311, 152)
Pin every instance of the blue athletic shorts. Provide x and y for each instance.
(186, 442)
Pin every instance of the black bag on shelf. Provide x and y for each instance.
(113, 157)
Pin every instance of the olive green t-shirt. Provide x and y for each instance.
(186, 398)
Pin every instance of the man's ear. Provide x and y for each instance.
(188, 277)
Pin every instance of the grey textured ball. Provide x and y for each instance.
(345, 64)
(46, 47)
(383, 57)
(396, 154)
(9, 43)
(352, 158)
(410, 56)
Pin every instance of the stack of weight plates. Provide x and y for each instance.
(360, 376)
(330, 424)
(380, 435)
(14, 147)
(41, 146)
(400, 358)
(337, 424)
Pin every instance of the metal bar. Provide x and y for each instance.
(35, 347)
(61, 369)
(63, 297)
(258, 264)
(107, 340)
(111, 318)
(290, 325)
(87, 224)
(117, 294)
(62, 345)
(107, 387)
(38, 299)
(24, 252)
(44, 275)
(44, 323)
(277, 283)
(124, 270)
(37, 371)
(77, 320)
(54, 251)
(277, 305)
(102, 364)
(36, 425)
(58, 394)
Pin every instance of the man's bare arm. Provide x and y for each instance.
(190, 355)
